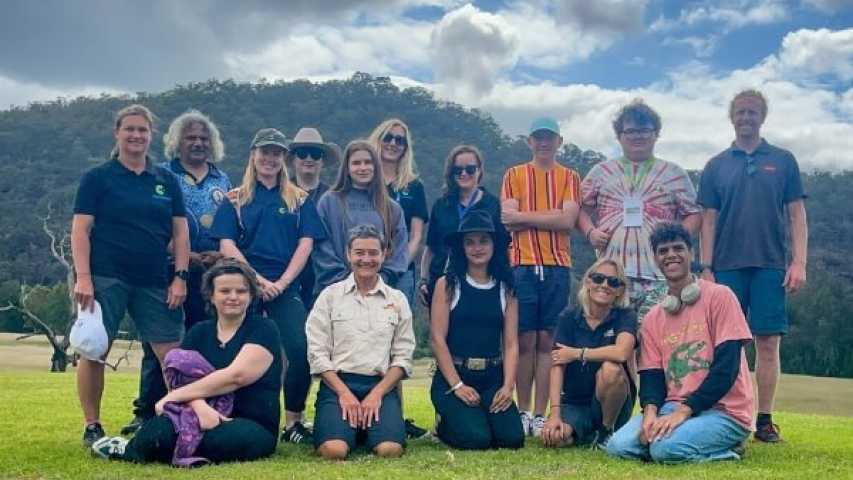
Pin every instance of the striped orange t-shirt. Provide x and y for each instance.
(538, 190)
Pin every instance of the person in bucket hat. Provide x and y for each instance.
(474, 328)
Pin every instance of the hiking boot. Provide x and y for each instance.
(133, 426)
(110, 448)
(413, 431)
(92, 433)
(768, 433)
(298, 434)
(536, 425)
(526, 421)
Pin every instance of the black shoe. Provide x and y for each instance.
(740, 449)
(298, 434)
(413, 431)
(92, 433)
(602, 436)
(768, 433)
(110, 448)
(133, 426)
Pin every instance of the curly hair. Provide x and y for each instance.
(670, 232)
(172, 139)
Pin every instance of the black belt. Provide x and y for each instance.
(476, 364)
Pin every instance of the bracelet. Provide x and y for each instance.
(454, 388)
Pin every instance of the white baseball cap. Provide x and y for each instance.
(88, 336)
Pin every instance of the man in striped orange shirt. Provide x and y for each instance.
(539, 206)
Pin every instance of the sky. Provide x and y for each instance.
(578, 61)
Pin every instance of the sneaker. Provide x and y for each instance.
(298, 434)
(768, 433)
(526, 420)
(92, 433)
(133, 426)
(602, 436)
(110, 448)
(536, 425)
(413, 431)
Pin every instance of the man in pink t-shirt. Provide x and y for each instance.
(695, 388)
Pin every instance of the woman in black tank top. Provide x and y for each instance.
(475, 341)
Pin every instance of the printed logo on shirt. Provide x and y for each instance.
(282, 210)
(609, 333)
(189, 179)
(218, 195)
(769, 168)
(160, 189)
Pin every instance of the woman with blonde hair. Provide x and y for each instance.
(272, 226)
(358, 197)
(392, 140)
(592, 393)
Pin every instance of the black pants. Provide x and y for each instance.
(474, 428)
(238, 440)
(152, 387)
(288, 313)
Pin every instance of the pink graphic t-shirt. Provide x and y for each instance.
(682, 345)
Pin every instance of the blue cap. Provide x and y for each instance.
(544, 123)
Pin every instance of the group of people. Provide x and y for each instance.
(283, 278)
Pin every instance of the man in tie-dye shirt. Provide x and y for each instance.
(624, 199)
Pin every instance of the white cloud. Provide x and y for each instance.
(470, 48)
(702, 47)
(829, 6)
(610, 15)
(20, 94)
(813, 53)
(732, 14)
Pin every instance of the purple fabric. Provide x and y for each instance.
(183, 367)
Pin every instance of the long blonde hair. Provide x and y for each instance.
(406, 165)
(621, 301)
(376, 190)
(291, 195)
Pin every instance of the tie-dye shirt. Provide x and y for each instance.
(666, 193)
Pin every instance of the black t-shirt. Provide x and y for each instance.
(573, 331)
(133, 221)
(259, 401)
(412, 200)
(444, 220)
(751, 224)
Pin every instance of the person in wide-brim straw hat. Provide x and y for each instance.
(308, 142)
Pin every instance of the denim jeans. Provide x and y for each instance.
(709, 436)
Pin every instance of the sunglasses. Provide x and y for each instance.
(304, 152)
(751, 168)
(469, 169)
(400, 140)
(600, 278)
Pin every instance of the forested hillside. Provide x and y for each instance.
(45, 147)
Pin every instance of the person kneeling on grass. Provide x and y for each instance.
(240, 367)
(475, 341)
(360, 342)
(592, 392)
(695, 387)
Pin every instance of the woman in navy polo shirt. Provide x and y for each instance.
(463, 172)
(393, 142)
(475, 341)
(272, 225)
(126, 214)
(592, 393)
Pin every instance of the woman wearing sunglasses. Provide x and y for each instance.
(591, 392)
(393, 141)
(463, 171)
(475, 341)
(309, 154)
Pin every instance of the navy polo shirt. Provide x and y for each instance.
(133, 221)
(270, 232)
(751, 221)
(202, 199)
(412, 200)
(573, 331)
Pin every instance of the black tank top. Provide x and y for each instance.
(476, 322)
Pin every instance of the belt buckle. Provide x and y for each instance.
(476, 363)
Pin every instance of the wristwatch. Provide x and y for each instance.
(182, 274)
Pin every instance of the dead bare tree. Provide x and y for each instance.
(59, 340)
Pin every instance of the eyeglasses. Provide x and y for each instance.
(469, 169)
(600, 278)
(304, 152)
(400, 140)
(638, 132)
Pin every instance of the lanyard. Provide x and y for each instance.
(464, 209)
(636, 179)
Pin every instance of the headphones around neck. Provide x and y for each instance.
(689, 295)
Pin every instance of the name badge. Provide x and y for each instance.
(632, 216)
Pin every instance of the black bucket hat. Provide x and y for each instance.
(475, 220)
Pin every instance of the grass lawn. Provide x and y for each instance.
(40, 438)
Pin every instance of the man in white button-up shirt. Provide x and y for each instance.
(360, 342)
